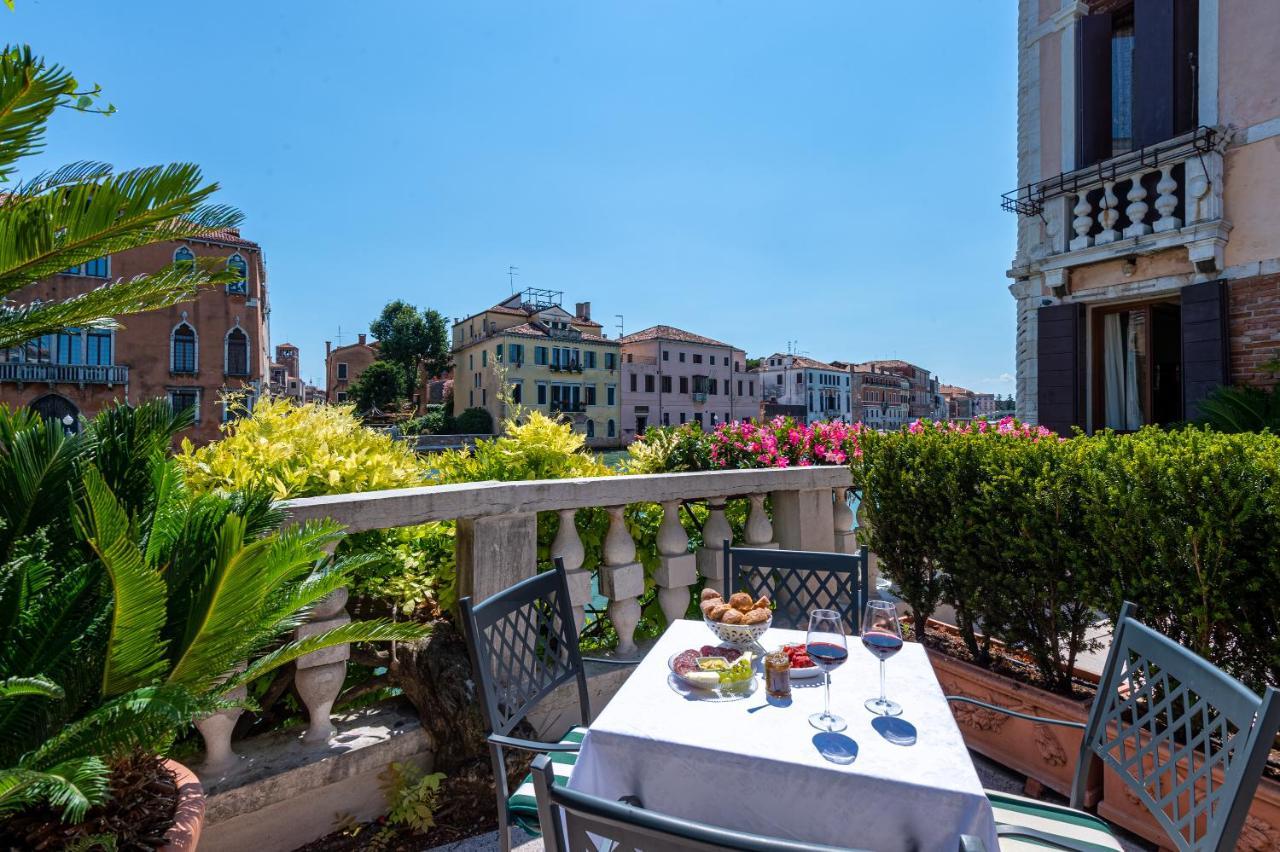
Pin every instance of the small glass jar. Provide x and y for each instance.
(777, 674)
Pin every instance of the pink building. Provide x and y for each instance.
(671, 376)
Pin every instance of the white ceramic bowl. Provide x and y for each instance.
(739, 635)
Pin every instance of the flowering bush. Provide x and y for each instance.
(782, 442)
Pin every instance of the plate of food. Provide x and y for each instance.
(801, 665)
(741, 620)
(712, 673)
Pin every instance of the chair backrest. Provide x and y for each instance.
(523, 644)
(582, 820)
(1188, 740)
(800, 581)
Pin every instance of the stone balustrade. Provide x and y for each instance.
(496, 547)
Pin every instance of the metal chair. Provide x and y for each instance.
(524, 644)
(573, 821)
(1187, 739)
(799, 581)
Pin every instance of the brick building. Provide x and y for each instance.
(344, 364)
(962, 403)
(190, 353)
(1147, 269)
(881, 398)
(923, 399)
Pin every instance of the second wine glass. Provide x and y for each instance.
(882, 636)
(827, 648)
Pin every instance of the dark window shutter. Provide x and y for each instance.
(1206, 360)
(1060, 370)
(1165, 34)
(1093, 89)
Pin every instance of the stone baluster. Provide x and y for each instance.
(846, 538)
(1082, 223)
(1137, 209)
(1109, 215)
(1167, 201)
(715, 532)
(677, 567)
(622, 580)
(216, 730)
(759, 530)
(568, 547)
(320, 674)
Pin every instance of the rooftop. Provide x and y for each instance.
(670, 332)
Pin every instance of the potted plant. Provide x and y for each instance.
(125, 602)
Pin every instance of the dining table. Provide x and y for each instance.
(755, 764)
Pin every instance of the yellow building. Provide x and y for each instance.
(552, 361)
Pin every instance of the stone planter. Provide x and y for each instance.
(188, 814)
(1261, 832)
(1046, 754)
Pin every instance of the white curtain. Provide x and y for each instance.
(1123, 392)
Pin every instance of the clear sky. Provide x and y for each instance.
(825, 171)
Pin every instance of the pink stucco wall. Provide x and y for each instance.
(646, 359)
(1050, 105)
(1248, 61)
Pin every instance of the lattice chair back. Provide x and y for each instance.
(800, 581)
(523, 645)
(572, 821)
(1187, 739)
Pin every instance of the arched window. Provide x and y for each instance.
(237, 352)
(613, 429)
(184, 257)
(591, 428)
(182, 349)
(240, 270)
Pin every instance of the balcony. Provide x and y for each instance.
(699, 396)
(558, 407)
(1164, 195)
(65, 374)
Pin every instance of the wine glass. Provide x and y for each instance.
(882, 636)
(826, 646)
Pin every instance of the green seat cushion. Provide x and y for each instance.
(1081, 830)
(523, 803)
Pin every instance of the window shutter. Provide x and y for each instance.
(1206, 361)
(1093, 89)
(1060, 370)
(1165, 34)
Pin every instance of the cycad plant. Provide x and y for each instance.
(125, 623)
(71, 215)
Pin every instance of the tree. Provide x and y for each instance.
(380, 385)
(80, 212)
(410, 339)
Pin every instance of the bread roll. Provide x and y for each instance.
(732, 616)
(709, 593)
(741, 601)
(759, 615)
(718, 611)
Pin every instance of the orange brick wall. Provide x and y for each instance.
(1254, 305)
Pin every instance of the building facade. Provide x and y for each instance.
(190, 354)
(672, 376)
(924, 399)
(284, 376)
(344, 364)
(1147, 269)
(824, 390)
(962, 403)
(529, 351)
(881, 399)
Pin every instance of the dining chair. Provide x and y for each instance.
(1188, 740)
(800, 581)
(574, 821)
(523, 644)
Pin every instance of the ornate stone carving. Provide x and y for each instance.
(1051, 749)
(1167, 201)
(1258, 836)
(1137, 209)
(1082, 223)
(1109, 215)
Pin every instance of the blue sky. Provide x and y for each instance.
(826, 171)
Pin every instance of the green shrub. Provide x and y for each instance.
(435, 420)
(1242, 409)
(380, 386)
(670, 449)
(474, 421)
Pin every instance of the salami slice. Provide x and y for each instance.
(686, 662)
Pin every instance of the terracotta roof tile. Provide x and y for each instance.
(670, 332)
(230, 236)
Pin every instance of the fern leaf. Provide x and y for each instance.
(30, 89)
(14, 686)
(72, 786)
(376, 630)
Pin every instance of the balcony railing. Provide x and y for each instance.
(67, 374)
(568, 407)
(699, 396)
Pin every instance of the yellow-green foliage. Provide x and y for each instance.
(412, 795)
(538, 448)
(301, 451)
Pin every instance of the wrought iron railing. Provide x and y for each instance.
(73, 374)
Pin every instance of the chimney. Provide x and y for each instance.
(362, 340)
(584, 310)
(328, 347)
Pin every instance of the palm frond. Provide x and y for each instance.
(30, 89)
(90, 219)
(374, 630)
(99, 307)
(146, 718)
(124, 440)
(15, 686)
(55, 178)
(72, 786)
(135, 650)
(36, 476)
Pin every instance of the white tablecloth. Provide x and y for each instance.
(754, 766)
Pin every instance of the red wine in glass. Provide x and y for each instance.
(827, 647)
(883, 645)
(826, 656)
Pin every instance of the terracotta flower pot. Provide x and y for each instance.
(1045, 754)
(1261, 832)
(188, 814)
